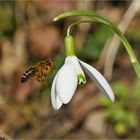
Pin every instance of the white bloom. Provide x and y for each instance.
(71, 74)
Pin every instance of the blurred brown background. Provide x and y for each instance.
(28, 35)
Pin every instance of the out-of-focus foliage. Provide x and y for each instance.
(95, 42)
(136, 93)
(7, 20)
(121, 113)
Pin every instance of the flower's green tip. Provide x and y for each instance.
(81, 79)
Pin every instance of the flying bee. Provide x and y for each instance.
(39, 72)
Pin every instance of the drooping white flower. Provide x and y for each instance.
(68, 77)
(71, 74)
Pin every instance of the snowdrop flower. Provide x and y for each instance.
(71, 74)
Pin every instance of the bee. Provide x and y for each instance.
(39, 72)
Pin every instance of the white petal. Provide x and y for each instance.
(99, 80)
(56, 102)
(66, 82)
(74, 60)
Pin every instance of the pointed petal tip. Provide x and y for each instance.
(109, 93)
(112, 98)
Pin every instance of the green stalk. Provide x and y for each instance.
(69, 45)
(97, 18)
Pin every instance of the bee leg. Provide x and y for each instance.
(42, 79)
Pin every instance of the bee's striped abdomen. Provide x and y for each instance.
(28, 73)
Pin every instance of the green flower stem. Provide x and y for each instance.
(69, 45)
(97, 18)
(76, 23)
